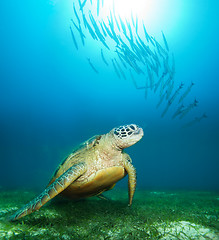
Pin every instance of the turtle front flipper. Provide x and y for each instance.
(50, 192)
(132, 176)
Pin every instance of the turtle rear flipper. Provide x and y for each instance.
(50, 192)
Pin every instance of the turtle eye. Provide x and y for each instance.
(116, 132)
(132, 127)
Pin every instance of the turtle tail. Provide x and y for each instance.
(50, 192)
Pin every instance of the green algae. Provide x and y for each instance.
(153, 215)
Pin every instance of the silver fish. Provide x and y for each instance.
(107, 30)
(73, 38)
(80, 31)
(178, 111)
(170, 101)
(188, 109)
(76, 14)
(121, 59)
(104, 32)
(92, 66)
(122, 25)
(87, 25)
(186, 92)
(170, 89)
(159, 82)
(145, 32)
(82, 5)
(120, 69)
(196, 120)
(161, 100)
(104, 60)
(165, 42)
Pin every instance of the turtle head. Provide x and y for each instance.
(127, 135)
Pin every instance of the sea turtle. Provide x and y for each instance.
(92, 168)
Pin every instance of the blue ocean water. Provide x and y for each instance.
(51, 99)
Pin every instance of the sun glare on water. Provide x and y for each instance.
(133, 10)
(127, 8)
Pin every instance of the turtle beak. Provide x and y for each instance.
(139, 131)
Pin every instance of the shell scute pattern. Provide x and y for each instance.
(77, 150)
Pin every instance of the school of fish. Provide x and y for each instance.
(142, 59)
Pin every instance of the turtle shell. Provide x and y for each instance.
(85, 146)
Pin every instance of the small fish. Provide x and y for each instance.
(97, 30)
(121, 59)
(80, 31)
(82, 35)
(166, 64)
(188, 109)
(104, 32)
(91, 31)
(84, 20)
(167, 82)
(159, 82)
(165, 42)
(76, 14)
(170, 89)
(145, 32)
(111, 19)
(73, 38)
(170, 101)
(104, 60)
(122, 25)
(113, 32)
(92, 66)
(107, 30)
(178, 111)
(117, 23)
(156, 59)
(82, 5)
(130, 30)
(161, 100)
(160, 49)
(104, 43)
(196, 120)
(186, 92)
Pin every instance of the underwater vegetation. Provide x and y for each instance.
(154, 215)
(132, 53)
